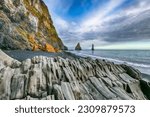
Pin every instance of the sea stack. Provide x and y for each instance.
(92, 47)
(78, 47)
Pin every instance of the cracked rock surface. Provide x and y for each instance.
(47, 78)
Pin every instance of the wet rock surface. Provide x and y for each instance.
(47, 78)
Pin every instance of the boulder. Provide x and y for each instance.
(145, 86)
(132, 72)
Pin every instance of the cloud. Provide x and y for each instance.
(60, 23)
(96, 18)
(57, 5)
(130, 24)
(103, 26)
(139, 7)
(100, 20)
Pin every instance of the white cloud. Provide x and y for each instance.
(64, 5)
(96, 18)
(60, 23)
(140, 7)
(89, 29)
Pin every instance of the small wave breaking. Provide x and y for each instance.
(114, 60)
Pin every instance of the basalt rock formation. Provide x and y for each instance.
(5, 58)
(145, 86)
(45, 78)
(27, 24)
(78, 47)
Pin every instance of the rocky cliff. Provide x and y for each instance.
(70, 79)
(27, 24)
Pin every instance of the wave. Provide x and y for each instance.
(114, 60)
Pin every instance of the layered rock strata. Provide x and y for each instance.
(27, 25)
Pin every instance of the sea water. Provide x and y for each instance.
(139, 59)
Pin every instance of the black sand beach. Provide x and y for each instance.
(23, 55)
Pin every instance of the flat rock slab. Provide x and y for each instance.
(67, 91)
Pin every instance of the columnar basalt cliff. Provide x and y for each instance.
(27, 24)
(70, 79)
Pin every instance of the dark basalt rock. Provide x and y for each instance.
(145, 86)
(132, 72)
(78, 47)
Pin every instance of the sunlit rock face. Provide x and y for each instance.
(26, 24)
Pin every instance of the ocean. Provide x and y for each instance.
(139, 59)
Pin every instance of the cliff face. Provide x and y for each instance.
(27, 24)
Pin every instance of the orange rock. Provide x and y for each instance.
(31, 38)
(49, 48)
(35, 47)
(57, 50)
(40, 47)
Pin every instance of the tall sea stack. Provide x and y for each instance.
(92, 47)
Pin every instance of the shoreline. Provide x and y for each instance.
(18, 55)
(74, 78)
(22, 55)
(140, 67)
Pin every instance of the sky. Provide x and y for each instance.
(108, 24)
